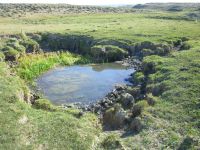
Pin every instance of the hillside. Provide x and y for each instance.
(166, 84)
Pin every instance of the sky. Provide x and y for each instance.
(97, 2)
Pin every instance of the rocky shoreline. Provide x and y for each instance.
(118, 109)
(111, 98)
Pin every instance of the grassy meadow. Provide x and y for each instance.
(127, 26)
(172, 123)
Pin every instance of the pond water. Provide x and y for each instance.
(82, 83)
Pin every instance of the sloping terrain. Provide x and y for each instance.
(166, 43)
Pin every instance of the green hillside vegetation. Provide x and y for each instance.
(40, 37)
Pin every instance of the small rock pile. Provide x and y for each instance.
(131, 62)
(118, 109)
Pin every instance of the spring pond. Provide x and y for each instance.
(82, 83)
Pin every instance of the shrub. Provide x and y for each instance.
(138, 77)
(11, 54)
(43, 104)
(151, 100)
(151, 63)
(178, 42)
(108, 52)
(111, 142)
(17, 46)
(146, 52)
(114, 117)
(114, 53)
(184, 39)
(160, 51)
(30, 45)
(158, 89)
(136, 110)
(185, 46)
(149, 68)
(98, 51)
(142, 103)
(136, 124)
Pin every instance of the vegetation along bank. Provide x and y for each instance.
(159, 111)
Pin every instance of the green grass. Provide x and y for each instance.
(24, 127)
(31, 66)
(171, 123)
(175, 117)
(126, 26)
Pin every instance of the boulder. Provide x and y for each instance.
(114, 117)
(120, 87)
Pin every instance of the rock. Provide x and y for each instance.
(114, 117)
(127, 100)
(97, 108)
(136, 125)
(115, 93)
(119, 87)
(106, 105)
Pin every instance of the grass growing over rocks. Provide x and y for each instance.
(173, 122)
